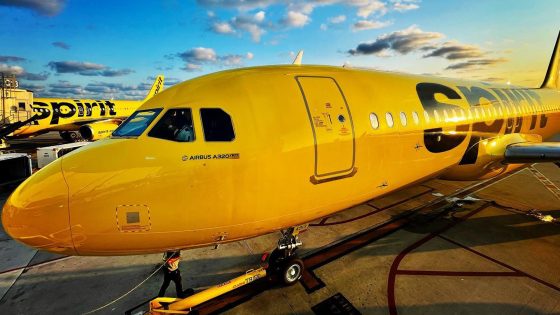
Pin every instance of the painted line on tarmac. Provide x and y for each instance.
(39, 264)
(393, 272)
(546, 182)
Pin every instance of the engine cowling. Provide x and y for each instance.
(98, 130)
(491, 158)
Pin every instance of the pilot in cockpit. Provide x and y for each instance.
(184, 129)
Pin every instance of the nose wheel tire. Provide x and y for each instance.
(292, 271)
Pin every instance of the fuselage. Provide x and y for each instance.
(304, 142)
(57, 114)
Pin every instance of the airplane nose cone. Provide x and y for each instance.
(37, 213)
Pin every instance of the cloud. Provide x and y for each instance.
(198, 57)
(36, 88)
(232, 60)
(369, 25)
(405, 5)
(62, 45)
(238, 4)
(252, 24)
(44, 7)
(74, 66)
(35, 76)
(413, 39)
(223, 28)
(21, 73)
(295, 19)
(115, 73)
(11, 59)
(455, 50)
(476, 63)
(403, 42)
(96, 90)
(65, 88)
(9, 69)
(191, 67)
(333, 21)
(298, 13)
(337, 19)
(367, 8)
(87, 69)
(109, 90)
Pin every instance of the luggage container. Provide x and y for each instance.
(46, 155)
(14, 167)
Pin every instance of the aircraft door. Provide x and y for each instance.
(333, 129)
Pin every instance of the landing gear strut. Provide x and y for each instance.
(284, 261)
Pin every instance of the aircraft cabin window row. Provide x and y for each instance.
(477, 113)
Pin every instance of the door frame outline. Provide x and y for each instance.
(316, 179)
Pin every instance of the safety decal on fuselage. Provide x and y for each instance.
(232, 156)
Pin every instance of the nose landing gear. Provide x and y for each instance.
(283, 261)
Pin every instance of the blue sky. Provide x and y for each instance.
(112, 49)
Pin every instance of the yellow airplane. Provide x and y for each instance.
(245, 152)
(94, 119)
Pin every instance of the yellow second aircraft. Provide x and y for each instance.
(94, 119)
(241, 153)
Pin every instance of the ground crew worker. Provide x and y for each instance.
(172, 273)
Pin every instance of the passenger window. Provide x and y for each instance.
(374, 121)
(427, 117)
(175, 125)
(415, 118)
(217, 125)
(389, 119)
(403, 119)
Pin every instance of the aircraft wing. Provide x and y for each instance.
(532, 152)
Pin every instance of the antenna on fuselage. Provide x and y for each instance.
(297, 59)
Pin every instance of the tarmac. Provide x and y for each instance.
(439, 247)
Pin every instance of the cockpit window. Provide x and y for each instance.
(217, 125)
(136, 123)
(175, 125)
